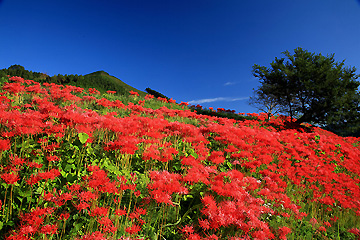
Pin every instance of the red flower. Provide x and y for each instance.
(120, 212)
(33, 180)
(52, 174)
(82, 206)
(204, 224)
(107, 225)
(10, 178)
(187, 229)
(87, 196)
(99, 211)
(52, 158)
(322, 229)
(94, 91)
(217, 157)
(64, 216)
(283, 231)
(16, 161)
(313, 221)
(132, 93)
(49, 229)
(354, 231)
(4, 144)
(133, 229)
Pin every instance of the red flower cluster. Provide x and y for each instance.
(75, 161)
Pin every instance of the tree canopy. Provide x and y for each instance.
(310, 87)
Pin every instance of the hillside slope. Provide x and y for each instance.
(103, 81)
(77, 164)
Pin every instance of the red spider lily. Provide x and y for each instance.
(64, 216)
(199, 174)
(49, 197)
(34, 165)
(17, 79)
(53, 158)
(354, 231)
(120, 212)
(165, 100)
(99, 181)
(148, 96)
(82, 206)
(134, 229)
(49, 229)
(13, 88)
(87, 196)
(217, 157)
(204, 224)
(99, 211)
(137, 213)
(74, 188)
(4, 144)
(51, 174)
(10, 178)
(127, 145)
(107, 225)
(132, 93)
(322, 229)
(283, 231)
(313, 221)
(184, 104)
(17, 161)
(164, 184)
(187, 229)
(94, 91)
(33, 180)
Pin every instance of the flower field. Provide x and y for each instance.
(76, 164)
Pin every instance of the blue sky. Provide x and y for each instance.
(196, 51)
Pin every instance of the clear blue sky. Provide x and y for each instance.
(197, 51)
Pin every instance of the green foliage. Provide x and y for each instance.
(311, 87)
(20, 71)
(222, 114)
(155, 93)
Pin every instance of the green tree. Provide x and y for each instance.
(155, 93)
(314, 88)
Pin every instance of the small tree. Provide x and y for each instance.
(266, 103)
(313, 87)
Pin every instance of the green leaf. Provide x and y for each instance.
(229, 165)
(83, 137)
(90, 151)
(10, 223)
(69, 167)
(71, 178)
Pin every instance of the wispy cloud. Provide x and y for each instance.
(217, 99)
(229, 83)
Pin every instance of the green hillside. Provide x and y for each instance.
(100, 80)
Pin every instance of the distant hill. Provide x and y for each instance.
(100, 80)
